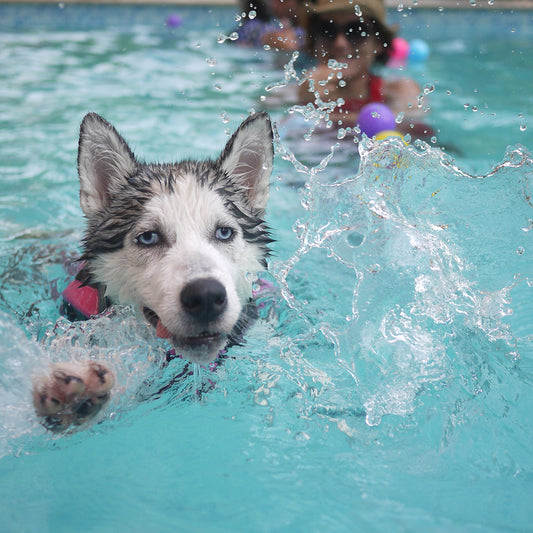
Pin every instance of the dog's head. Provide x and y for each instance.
(182, 241)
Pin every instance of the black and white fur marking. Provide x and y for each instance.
(182, 242)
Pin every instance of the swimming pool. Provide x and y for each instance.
(393, 389)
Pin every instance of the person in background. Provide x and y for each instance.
(274, 23)
(289, 34)
(355, 35)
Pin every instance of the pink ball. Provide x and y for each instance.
(374, 118)
(400, 49)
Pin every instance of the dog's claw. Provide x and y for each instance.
(71, 394)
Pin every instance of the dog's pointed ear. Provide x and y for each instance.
(104, 163)
(248, 158)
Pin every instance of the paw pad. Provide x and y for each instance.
(71, 394)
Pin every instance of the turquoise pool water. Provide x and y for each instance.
(387, 388)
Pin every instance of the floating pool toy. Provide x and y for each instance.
(386, 134)
(418, 51)
(174, 21)
(374, 118)
(399, 51)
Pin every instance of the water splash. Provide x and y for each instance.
(414, 271)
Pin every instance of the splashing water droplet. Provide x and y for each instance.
(429, 88)
(400, 117)
(523, 127)
(225, 117)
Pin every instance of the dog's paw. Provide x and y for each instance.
(71, 394)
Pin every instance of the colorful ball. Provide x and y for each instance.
(382, 135)
(374, 118)
(418, 51)
(400, 49)
(174, 21)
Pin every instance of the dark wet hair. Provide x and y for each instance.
(262, 11)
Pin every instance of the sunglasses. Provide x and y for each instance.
(355, 31)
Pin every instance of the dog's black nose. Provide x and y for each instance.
(204, 299)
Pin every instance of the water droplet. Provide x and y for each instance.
(520, 250)
(211, 61)
(341, 133)
(433, 139)
(218, 87)
(225, 117)
(252, 15)
(251, 277)
(355, 239)
(523, 127)
(400, 8)
(400, 117)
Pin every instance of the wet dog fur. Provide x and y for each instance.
(182, 242)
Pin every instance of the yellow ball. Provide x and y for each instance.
(385, 134)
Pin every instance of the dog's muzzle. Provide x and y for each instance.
(203, 301)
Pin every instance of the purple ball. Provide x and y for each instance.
(174, 21)
(374, 118)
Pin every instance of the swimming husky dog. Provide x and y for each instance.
(180, 241)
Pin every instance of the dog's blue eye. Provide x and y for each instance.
(224, 233)
(148, 238)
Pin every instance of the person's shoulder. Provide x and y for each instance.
(251, 32)
(399, 84)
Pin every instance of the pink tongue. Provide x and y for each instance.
(161, 331)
